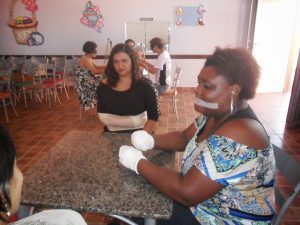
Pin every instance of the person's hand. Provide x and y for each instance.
(142, 140)
(139, 55)
(130, 157)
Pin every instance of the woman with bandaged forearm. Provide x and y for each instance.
(126, 102)
(228, 165)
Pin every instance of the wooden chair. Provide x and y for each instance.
(171, 94)
(290, 169)
(5, 93)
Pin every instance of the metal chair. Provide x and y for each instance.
(123, 219)
(45, 78)
(5, 93)
(289, 168)
(171, 94)
(24, 82)
(61, 73)
(70, 66)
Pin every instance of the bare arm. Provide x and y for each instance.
(149, 67)
(188, 190)
(100, 67)
(150, 126)
(175, 141)
(87, 63)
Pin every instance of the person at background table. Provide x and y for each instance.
(126, 102)
(11, 180)
(228, 166)
(86, 74)
(131, 43)
(142, 73)
(162, 67)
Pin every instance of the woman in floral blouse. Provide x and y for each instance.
(228, 164)
(86, 73)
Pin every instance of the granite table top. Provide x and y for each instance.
(82, 172)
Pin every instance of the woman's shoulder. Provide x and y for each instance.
(246, 131)
(84, 61)
(103, 85)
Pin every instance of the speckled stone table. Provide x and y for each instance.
(82, 172)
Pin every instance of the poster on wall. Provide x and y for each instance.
(25, 27)
(189, 15)
(91, 17)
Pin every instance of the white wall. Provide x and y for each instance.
(225, 21)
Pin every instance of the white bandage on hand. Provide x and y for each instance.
(142, 140)
(130, 157)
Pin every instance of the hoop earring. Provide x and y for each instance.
(231, 101)
(231, 104)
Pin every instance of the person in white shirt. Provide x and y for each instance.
(162, 67)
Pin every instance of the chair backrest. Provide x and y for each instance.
(290, 169)
(27, 66)
(44, 71)
(60, 64)
(5, 62)
(40, 59)
(177, 74)
(75, 61)
(5, 84)
(50, 70)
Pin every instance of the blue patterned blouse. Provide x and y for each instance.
(247, 174)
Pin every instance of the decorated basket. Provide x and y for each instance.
(22, 30)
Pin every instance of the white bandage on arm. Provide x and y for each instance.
(116, 122)
(141, 140)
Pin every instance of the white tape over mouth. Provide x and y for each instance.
(209, 105)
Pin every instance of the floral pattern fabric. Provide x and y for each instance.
(246, 173)
(86, 86)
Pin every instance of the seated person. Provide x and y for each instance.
(162, 67)
(126, 102)
(86, 71)
(130, 43)
(11, 180)
(228, 166)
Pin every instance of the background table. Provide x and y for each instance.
(82, 172)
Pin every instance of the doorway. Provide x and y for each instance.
(276, 43)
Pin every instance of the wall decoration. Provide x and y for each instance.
(91, 17)
(189, 15)
(25, 27)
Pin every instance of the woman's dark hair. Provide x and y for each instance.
(7, 159)
(238, 66)
(156, 42)
(128, 41)
(89, 47)
(110, 72)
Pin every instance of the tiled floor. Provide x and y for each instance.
(37, 129)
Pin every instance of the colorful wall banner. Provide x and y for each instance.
(91, 17)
